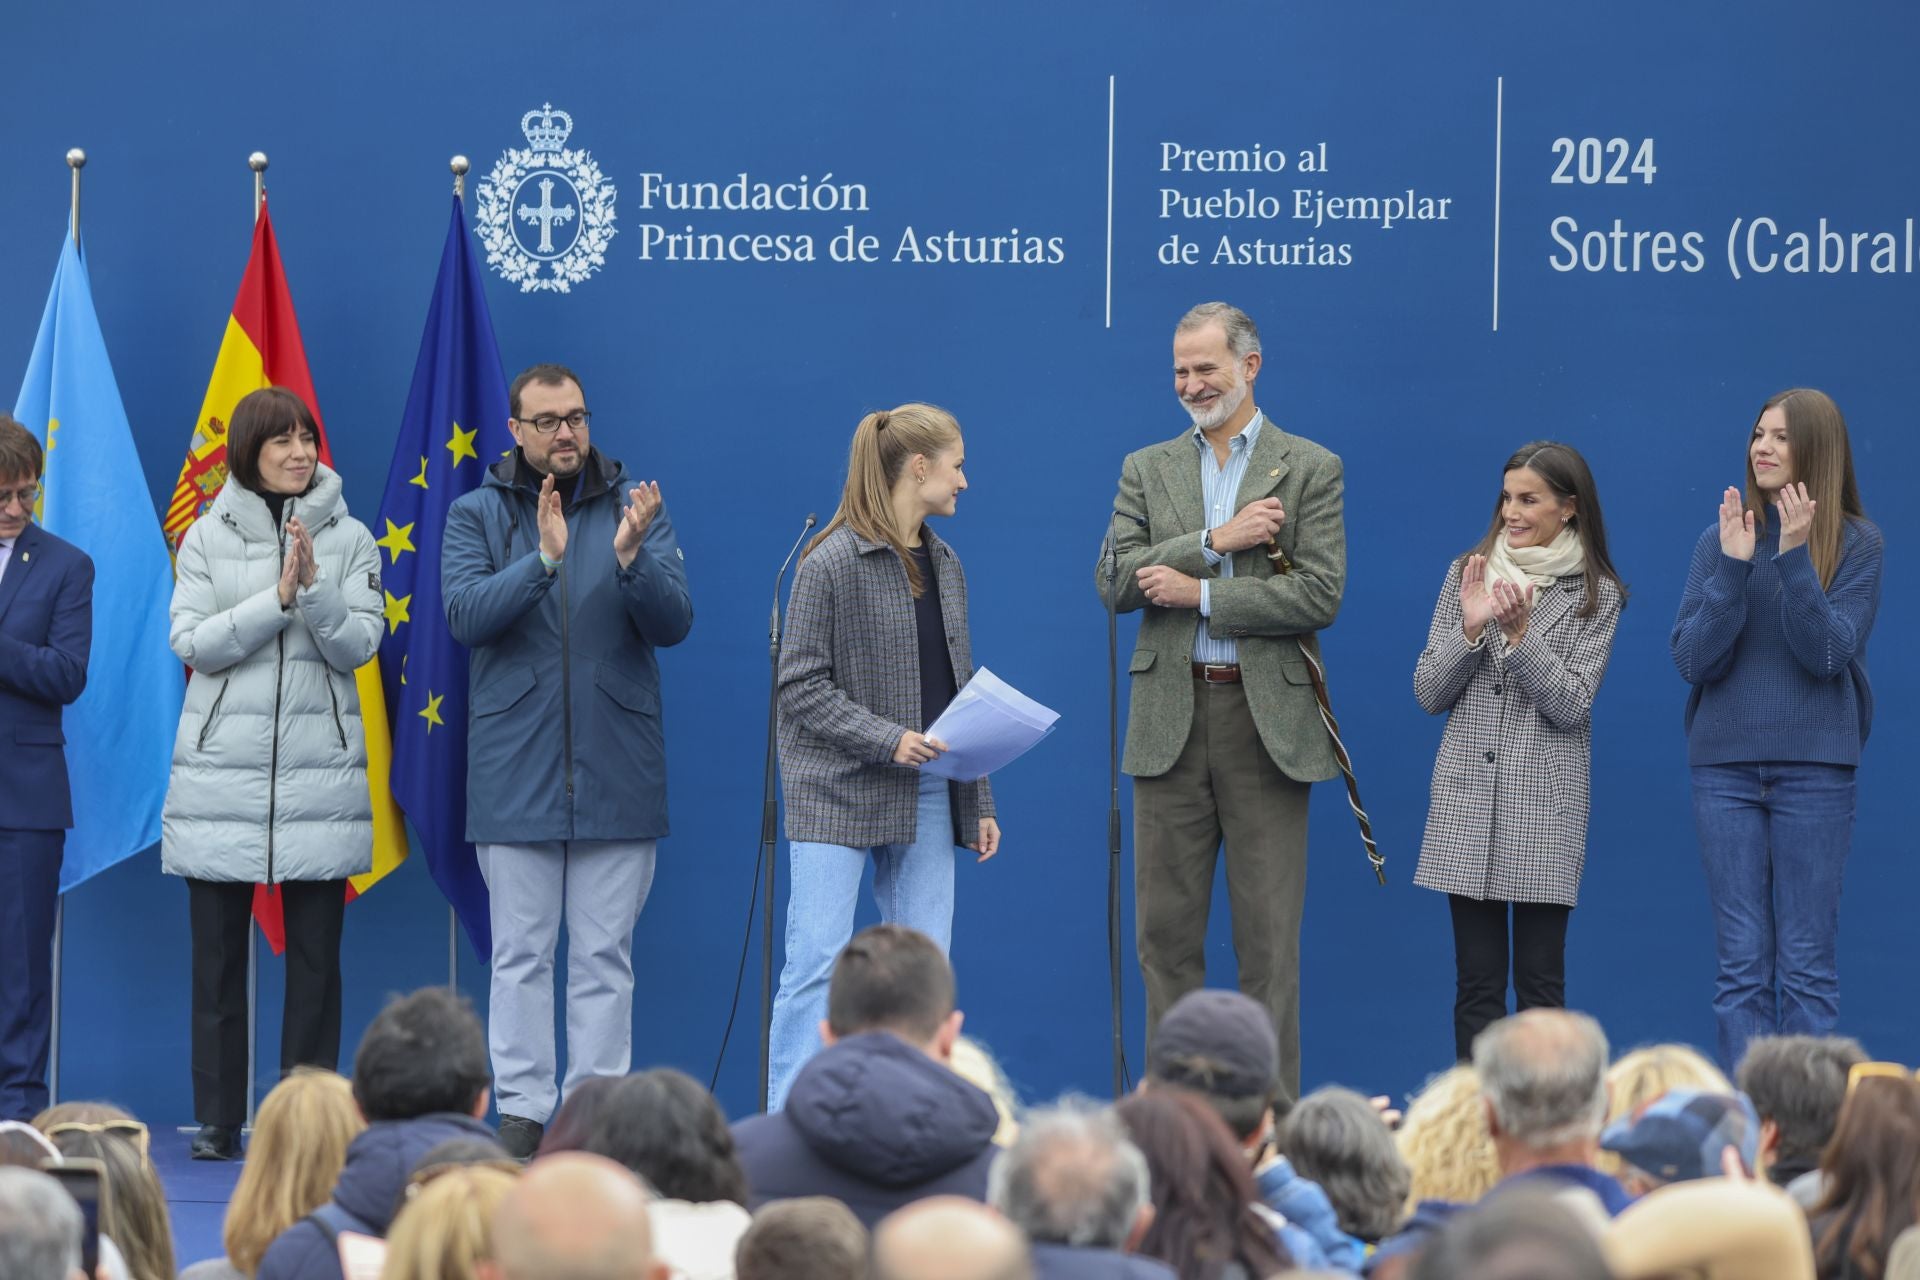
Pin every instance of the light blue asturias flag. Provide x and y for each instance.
(94, 494)
(454, 428)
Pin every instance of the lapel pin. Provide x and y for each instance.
(1273, 473)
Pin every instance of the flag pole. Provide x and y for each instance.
(76, 160)
(258, 163)
(459, 165)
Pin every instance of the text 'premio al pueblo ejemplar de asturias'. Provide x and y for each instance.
(1273, 210)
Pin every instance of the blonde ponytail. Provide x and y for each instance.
(882, 445)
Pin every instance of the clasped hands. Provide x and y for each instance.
(1736, 522)
(1484, 600)
(298, 568)
(643, 504)
(1254, 526)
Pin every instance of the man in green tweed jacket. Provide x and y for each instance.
(1231, 537)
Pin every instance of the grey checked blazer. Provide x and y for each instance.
(850, 687)
(1508, 820)
(1161, 513)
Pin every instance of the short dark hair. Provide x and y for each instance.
(890, 978)
(20, 454)
(259, 417)
(1799, 1082)
(547, 375)
(423, 1053)
(579, 1116)
(668, 1129)
(811, 1238)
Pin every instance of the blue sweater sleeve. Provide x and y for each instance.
(1826, 628)
(1713, 609)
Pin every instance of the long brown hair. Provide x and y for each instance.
(135, 1215)
(1822, 460)
(299, 1146)
(1204, 1221)
(883, 444)
(1567, 474)
(1873, 1181)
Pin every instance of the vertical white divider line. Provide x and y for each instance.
(1110, 97)
(1499, 112)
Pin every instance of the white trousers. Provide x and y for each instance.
(598, 887)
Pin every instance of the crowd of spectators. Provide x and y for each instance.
(904, 1154)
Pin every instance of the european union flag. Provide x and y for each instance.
(455, 427)
(120, 732)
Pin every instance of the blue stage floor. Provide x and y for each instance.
(197, 1195)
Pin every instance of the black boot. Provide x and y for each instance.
(216, 1142)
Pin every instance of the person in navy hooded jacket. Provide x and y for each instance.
(420, 1078)
(877, 1119)
(562, 575)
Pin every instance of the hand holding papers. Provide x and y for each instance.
(988, 724)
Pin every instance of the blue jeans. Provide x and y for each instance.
(912, 885)
(1774, 840)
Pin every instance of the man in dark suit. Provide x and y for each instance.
(1230, 536)
(46, 631)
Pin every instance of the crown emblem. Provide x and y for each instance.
(546, 129)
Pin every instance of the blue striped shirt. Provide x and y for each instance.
(1220, 485)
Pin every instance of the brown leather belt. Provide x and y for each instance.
(1216, 672)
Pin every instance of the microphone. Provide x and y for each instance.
(773, 619)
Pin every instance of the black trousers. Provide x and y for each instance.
(1480, 944)
(310, 1021)
(29, 892)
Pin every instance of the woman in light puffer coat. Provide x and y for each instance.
(276, 603)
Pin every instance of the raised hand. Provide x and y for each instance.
(1255, 523)
(1736, 527)
(1476, 606)
(1512, 607)
(553, 522)
(302, 541)
(643, 504)
(289, 574)
(1796, 516)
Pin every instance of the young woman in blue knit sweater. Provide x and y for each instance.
(1772, 635)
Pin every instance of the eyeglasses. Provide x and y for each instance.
(548, 423)
(1893, 1070)
(132, 1130)
(28, 497)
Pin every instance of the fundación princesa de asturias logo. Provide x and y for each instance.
(545, 213)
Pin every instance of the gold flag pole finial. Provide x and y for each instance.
(76, 161)
(460, 166)
(258, 163)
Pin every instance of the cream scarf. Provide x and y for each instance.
(1540, 566)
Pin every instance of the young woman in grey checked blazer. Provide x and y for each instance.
(1519, 643)
(876, 646)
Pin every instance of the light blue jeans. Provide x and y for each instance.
(912, 886)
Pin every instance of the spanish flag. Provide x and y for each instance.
(262, 348)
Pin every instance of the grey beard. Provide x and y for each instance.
(1225, 407)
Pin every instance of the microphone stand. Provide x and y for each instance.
(1111, 555)
(763, 862)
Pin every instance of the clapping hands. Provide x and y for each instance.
(1736, 526)
(1796, 516)
(298, 569)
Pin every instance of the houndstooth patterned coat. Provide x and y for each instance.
(850, 687)
(1508, 820)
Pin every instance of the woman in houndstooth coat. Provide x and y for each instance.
(1519, 643)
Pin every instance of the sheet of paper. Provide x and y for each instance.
(987, 726)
